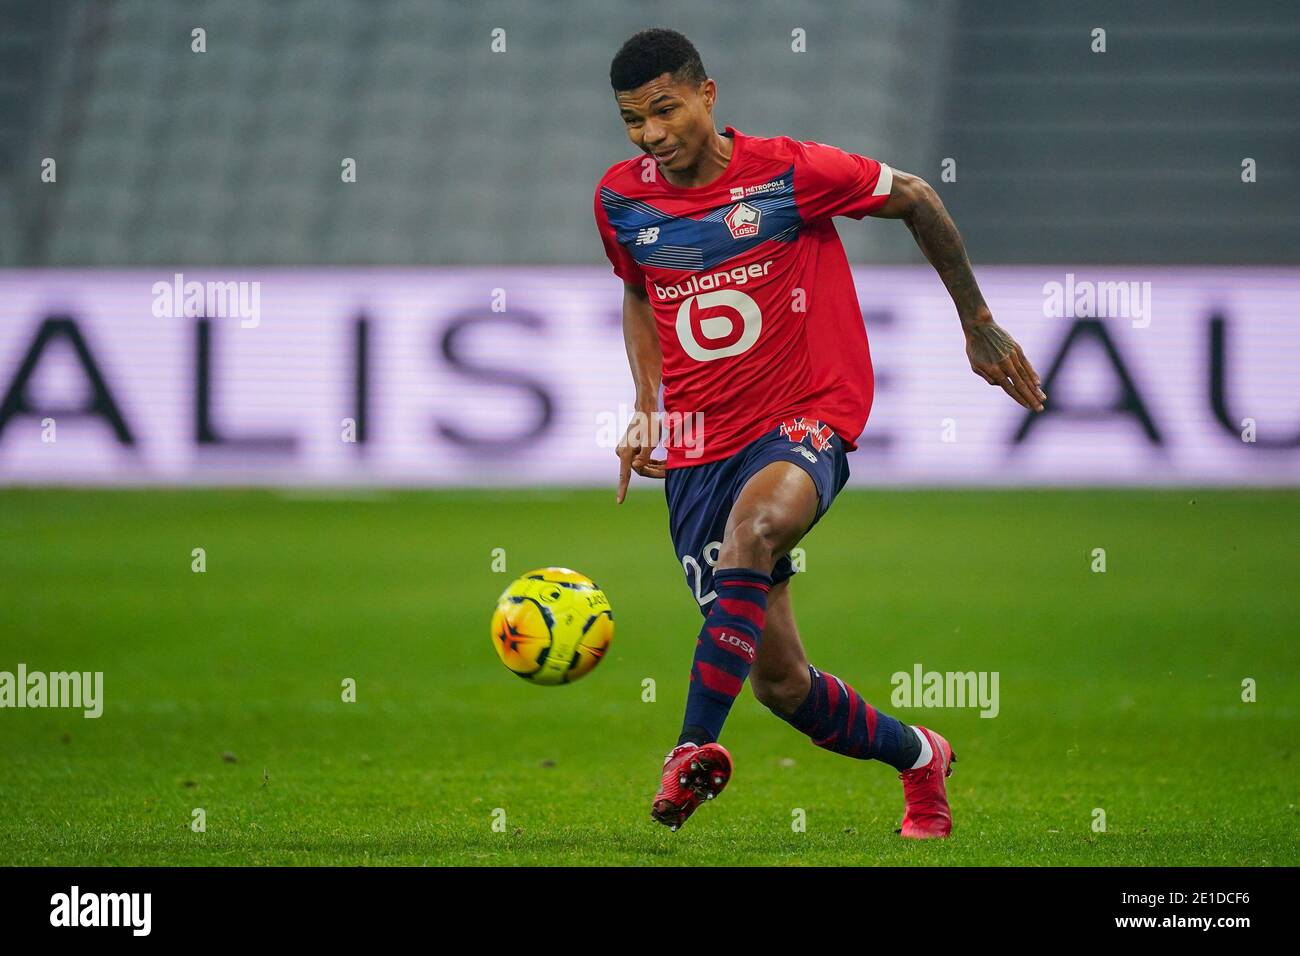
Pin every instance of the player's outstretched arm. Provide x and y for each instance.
(647, 362)
(994, 355)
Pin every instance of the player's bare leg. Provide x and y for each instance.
(771, 513)
(779, 678)
(783, 682)
(773, 510)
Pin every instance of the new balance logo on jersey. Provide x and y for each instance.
(743, 220)
(805, 452)
(647, 236)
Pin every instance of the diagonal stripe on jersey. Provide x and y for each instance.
(695, 244)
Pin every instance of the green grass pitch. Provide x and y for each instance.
(1119, 690)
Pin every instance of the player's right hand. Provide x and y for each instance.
(639, 442)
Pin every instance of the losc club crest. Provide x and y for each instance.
(743, 220)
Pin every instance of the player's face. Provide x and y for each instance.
(670, 120)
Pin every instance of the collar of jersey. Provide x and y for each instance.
(733, 166)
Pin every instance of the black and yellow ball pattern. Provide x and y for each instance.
(552, 626)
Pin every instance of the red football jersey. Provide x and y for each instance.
(754, 303)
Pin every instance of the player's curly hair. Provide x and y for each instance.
(652, 53)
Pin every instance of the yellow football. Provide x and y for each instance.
(552, 626)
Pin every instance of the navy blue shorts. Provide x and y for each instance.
(700, 496)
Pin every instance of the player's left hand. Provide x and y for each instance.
(996, 358)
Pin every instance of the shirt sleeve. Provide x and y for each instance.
(830, 182)
(625, 266)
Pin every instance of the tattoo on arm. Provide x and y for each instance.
(990, 343)
(937, 235)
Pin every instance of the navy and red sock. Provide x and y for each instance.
(833, 714)
(725, 651)
(836, 717)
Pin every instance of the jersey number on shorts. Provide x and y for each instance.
(695, 574)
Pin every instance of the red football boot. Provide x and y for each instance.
(692, 774)
(925, 797)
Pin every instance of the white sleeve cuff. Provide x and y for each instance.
(884, 182)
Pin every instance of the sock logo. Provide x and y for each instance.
(736, 641)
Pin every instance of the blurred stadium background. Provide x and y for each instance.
(453, 304)
(468, 157)
(478, 133)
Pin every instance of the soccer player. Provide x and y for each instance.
(738, 300)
